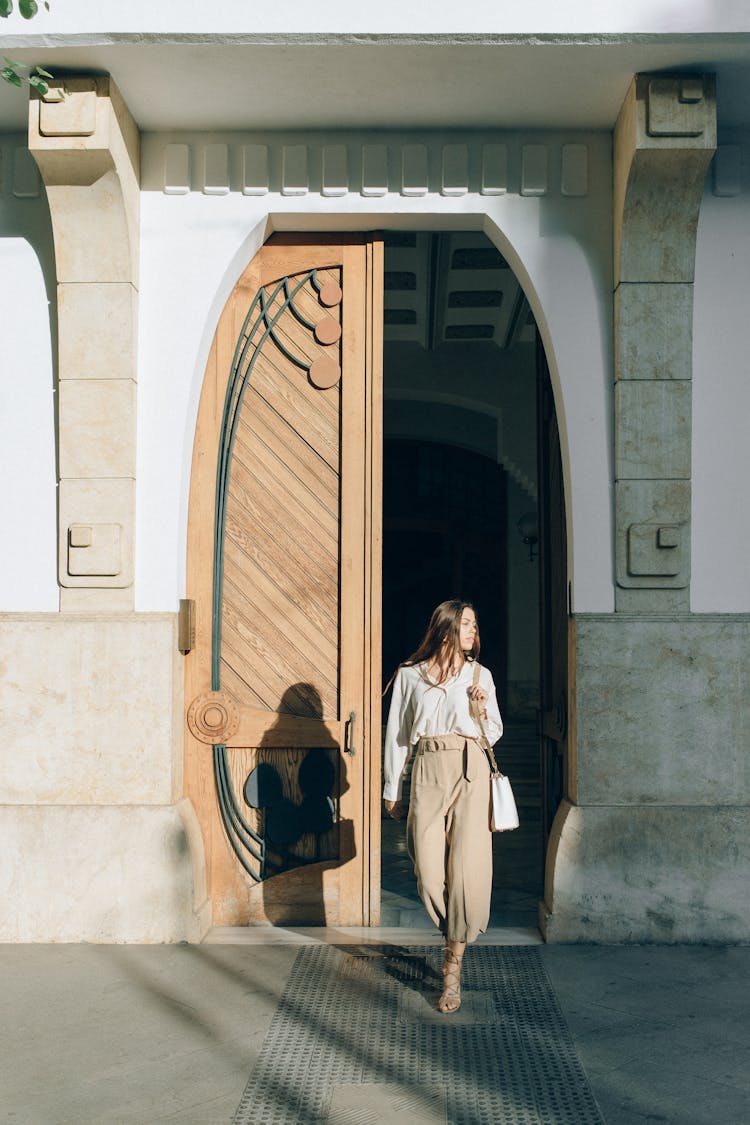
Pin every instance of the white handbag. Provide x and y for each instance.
(504, 814)
(504, 811)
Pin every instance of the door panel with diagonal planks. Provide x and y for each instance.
(281, 566)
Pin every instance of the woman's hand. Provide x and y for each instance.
(479, 696)
(394, 809)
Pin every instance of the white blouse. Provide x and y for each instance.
(421, 708)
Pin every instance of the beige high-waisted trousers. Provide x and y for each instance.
(448, 834)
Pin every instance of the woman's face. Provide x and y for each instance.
(468, 629)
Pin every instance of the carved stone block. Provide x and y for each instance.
(216, 170)
(71, 113)
(255, 178)
(374, 170)
(177, 169)
(414, 170)
(102, 510)
(655, 550)
(294, 173)
(534, 170)
(679, 107)
(335, 171)
(494, 169)
(95, 550)
(653, 535)
(574, 172)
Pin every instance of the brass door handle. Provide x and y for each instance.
(349, 741)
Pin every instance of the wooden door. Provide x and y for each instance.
(284, 569)
(553, 602)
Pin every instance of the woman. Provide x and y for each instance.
(448, 832)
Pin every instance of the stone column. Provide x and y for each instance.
(646, 846)
(87, 147)
(665, 138)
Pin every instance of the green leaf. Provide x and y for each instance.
(44, 73)
(9, 75)
(6, 7)
(28, 8)
(16, 65)
(38, 84)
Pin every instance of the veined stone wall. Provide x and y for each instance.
(655, 843)
(96, 843)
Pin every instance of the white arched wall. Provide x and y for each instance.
(195, 246)
(721, 402)
(28, 501)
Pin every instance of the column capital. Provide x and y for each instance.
(87, 147)
(664, 140)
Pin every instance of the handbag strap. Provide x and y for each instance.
(476, 715)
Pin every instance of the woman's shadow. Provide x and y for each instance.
(297, 791)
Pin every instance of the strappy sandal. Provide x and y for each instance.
(450, 997)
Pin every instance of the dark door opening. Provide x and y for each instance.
(435, 503)
(462, 495)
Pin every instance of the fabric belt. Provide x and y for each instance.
(452, 742)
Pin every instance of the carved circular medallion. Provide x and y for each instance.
(213, 717)
(330, 294)
(327, 331)
(324, 372)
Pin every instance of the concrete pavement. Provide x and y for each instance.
(133, 1035)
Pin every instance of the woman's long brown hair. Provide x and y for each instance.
(445, 625)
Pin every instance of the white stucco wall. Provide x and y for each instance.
(28, 504)
(195, 245)
(721, 405)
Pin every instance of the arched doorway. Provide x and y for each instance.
(284, 558)
(473, 507)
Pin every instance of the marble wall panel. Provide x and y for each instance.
(652, 429)
(92, 710)
(97, 331)
(653, 331)
(101, 874)
(97, 428)
(663, 711)
(649, 875)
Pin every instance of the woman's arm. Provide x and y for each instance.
(397, 731)
(493, 723)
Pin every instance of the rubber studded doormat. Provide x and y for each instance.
(356, 1040)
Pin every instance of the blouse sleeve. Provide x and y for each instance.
(397, 745)
(493, 724)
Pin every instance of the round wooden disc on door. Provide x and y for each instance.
(330, 294)
(213, 717)
(328, 331)
(324, 372)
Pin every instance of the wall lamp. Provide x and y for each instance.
(529, 532)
